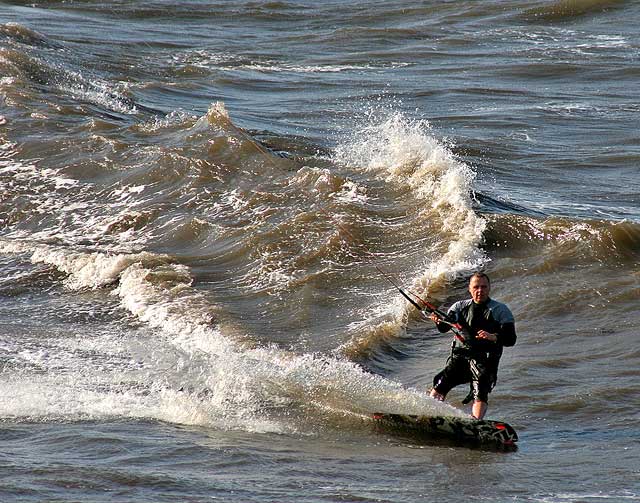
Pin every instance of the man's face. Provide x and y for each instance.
(479, 289)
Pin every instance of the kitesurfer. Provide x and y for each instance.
(488, 326)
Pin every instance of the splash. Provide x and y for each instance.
(407, 156)
(436, 188)
(189, 372)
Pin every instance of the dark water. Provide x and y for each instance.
(194, 201)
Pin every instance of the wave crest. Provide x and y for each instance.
(563, 10)
(424, 177)
(563, 240)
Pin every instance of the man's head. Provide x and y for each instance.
(479, 287)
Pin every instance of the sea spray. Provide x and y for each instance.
(438, 193)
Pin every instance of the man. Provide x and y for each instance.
(488, 326)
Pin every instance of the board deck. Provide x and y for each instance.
(465, 430)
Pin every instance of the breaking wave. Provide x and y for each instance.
(435, 190)
(211, 380)
(173, 231)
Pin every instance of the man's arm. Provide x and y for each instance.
(507, 334)
(452, 317)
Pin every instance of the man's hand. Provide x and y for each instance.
(482, 334)
(435, 318)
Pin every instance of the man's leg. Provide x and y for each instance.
(455, 372)
(481, 384)
(479, 409)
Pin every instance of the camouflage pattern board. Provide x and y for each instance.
(465, 430)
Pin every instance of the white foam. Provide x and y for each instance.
(208, 60)
(275, 67)
(68, 207)
(94, 91)
(595, 497)
(250, 377)
(173, 119)
(406, 155)
(226, 384)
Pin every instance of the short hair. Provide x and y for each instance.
(479, 275)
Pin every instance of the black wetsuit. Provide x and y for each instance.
(476, 360)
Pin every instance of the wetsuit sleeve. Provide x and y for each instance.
(507, 334)
(452, 316)
(503, 316)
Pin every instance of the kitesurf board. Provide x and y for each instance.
(465, 430)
